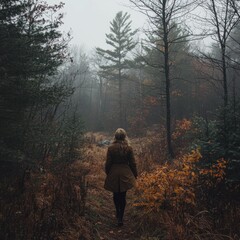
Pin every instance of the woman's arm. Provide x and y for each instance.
(132, 163)
(108, 163)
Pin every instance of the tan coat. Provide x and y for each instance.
(120, 168)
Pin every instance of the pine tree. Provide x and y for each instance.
(121, 40)
(31, 50)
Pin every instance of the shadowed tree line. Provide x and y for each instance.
(40, 135)
(152, 77)
(33, 89)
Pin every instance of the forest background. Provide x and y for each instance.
(180, 100)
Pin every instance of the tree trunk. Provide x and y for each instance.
(120, 98)
(225, 99)
(100, 120)
(167, 81)
(168, 107)
(224, 72)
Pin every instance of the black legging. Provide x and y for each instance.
(119, 199)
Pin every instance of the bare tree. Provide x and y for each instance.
(101, 78)
(221, 18)
(163, 17)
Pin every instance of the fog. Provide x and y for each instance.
(63, 96)
(89, 20)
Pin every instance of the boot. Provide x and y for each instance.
(120, 217)
(120, 222)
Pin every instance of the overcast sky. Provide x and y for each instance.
(89, 20)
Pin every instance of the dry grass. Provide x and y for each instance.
(51, 207)
(53, 203)
(100, 208)
(195, 223)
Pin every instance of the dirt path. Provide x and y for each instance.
(100, 209)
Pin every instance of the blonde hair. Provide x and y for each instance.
(121, 136)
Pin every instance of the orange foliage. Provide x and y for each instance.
(151, 100)
(182, 126)
(174, 186)
(169, 185)
(214, 174)
(138, 122)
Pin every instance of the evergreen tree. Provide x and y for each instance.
(121, 40)
(31, 50)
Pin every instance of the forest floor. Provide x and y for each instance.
(53, 206)
(52, 202)
(100, 210)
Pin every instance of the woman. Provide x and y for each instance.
(121, 171)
